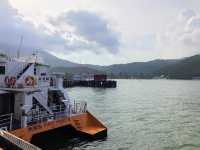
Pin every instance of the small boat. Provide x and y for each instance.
(33, 101)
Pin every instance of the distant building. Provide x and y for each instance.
(100, 77)
(76, 77)
(89, 77)
(83, 77)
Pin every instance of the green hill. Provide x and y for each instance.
(138, 68)
(187, 68)
(135, 69)
(76, 70)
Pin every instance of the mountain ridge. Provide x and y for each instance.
(187, 68)
(184, 68)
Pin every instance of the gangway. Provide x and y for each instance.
(19, 143)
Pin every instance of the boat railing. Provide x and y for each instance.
(59, 111)
(79, 107)
(6, 121)
(71, 108)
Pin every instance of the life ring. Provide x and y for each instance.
(35, 82)
(7, 80)
(30, 81)
(12, 81)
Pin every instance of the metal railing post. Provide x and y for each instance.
(69, 110)
(11, 120)
(74, 107)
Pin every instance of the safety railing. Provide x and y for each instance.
(79, 107)
(59, 111)
(38, 117)
(6, 121)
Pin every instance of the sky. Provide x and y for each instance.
(103, 32)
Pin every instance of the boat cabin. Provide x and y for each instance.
(29, 92)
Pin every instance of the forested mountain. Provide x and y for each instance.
(187, 68)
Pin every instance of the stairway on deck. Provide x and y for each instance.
(40, 100)
(23, 71)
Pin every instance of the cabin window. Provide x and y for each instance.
(34, 71)
(2, 70)
(43, 74)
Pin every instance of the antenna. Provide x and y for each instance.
(20, 46)
(35, 56)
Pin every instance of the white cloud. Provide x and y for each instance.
(182, 36)
(88, 31)
(92, 35)
(141, 23)
(13, 26)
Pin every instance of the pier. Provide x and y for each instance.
(96, 81)
(90, 83)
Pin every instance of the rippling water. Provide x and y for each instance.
(144, 115)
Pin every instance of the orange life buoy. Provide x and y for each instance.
(30, 81)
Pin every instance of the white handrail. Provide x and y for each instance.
(36, 115)
(6, 121)
(4, 115)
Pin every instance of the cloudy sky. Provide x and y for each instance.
(103, 31)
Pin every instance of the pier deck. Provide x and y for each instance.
(90, 83)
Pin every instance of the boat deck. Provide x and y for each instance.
(20, 89)
(84, 123)
(93, 130)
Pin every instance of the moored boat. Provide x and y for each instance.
(33, 101)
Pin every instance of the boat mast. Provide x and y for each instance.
(20, 46)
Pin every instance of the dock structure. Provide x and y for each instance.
(96, 81)
(90, 83)
(10, 141)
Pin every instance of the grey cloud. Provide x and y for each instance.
(13, 26)
(187, 13)
(91, 27)
(92, 33)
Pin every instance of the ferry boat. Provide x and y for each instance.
(33, 101)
